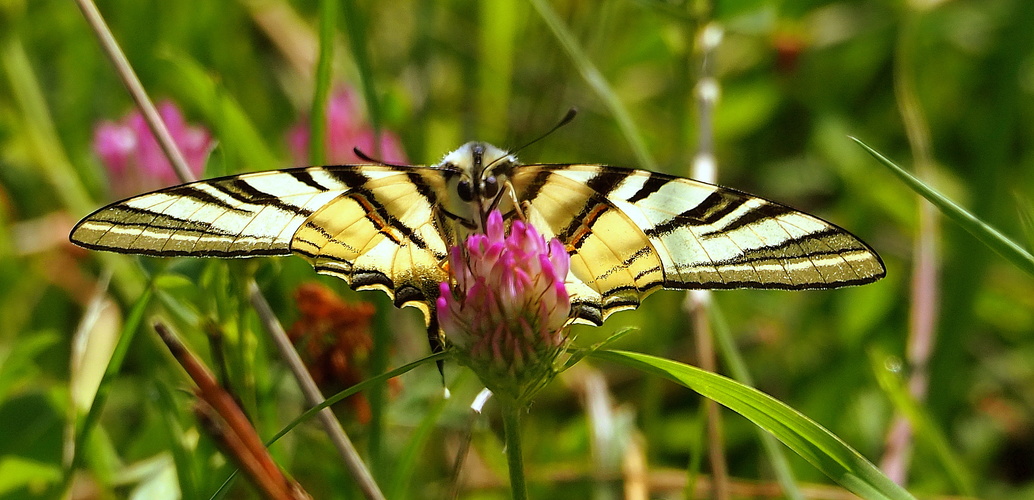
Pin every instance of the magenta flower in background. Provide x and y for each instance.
(346, 129)
(507, 314)
(133, 158)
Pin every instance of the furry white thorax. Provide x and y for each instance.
(484, 168)
(476, 154)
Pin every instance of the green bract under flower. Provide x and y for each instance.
(507, 314)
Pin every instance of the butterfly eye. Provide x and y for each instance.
(463, 190)
(491, 187)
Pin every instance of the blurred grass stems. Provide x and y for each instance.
(85, 425)
(697, 303)
(239, 140)
(337, 434)
(189, 469)
(226, 422)
(919, 419)
(463, 449)
(355, 29)
(313, 395)
(925, 285)
(327, 403)
(135, 88)
(405, 464)
(823, 449)
(497, 39)
(49, 154)
(324, 74)
(706, 93)
(981, 230)
(597, 82)
(738, 371)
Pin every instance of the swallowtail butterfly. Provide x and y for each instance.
(390, 227)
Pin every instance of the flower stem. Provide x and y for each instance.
(512, 435)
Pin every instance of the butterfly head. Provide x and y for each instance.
(481, 171)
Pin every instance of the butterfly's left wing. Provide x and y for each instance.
(631, 232)
(376, 226)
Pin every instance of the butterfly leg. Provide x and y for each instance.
(435, 340)
(511, 193)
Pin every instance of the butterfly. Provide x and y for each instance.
(390, 227)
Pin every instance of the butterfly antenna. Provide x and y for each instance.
(365, 157)
(563, 121)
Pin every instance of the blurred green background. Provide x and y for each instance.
(796, 79)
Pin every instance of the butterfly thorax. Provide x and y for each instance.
(480, 173)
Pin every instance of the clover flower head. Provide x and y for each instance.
(508, 309)
(345, 130)
(131, 154)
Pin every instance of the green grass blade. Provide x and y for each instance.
(182, 455)
(597, 82)
(307, 414)
(738, 369)
(404, 466)
(193, 84)
(379, 379)
(981, 230)
(355, 27)
(808, 439)
(318, 115)
(129, 329)
(925, 428)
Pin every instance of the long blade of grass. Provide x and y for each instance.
(307, 414)
(597, 82)
(982, 231)
(372, 381)
(814, 443)
(738, 369)
(182, 455)
(894, 387)
(355, 27)
(318, 115)
(238, 135)
(129, 329)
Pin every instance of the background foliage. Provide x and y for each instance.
(796, 77)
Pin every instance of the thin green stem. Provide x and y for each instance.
(595, 79)
(136, 90)
(514, 458)
(318, 114)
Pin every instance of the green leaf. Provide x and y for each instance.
(19, 473)
(808, 439)
(981, 230)
(19, 365)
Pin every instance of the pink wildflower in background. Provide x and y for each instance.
(508, 312)
(136, 163)
(345, 130)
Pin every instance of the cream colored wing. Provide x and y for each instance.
(630, 232)
(373, 225)
(385, 235)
